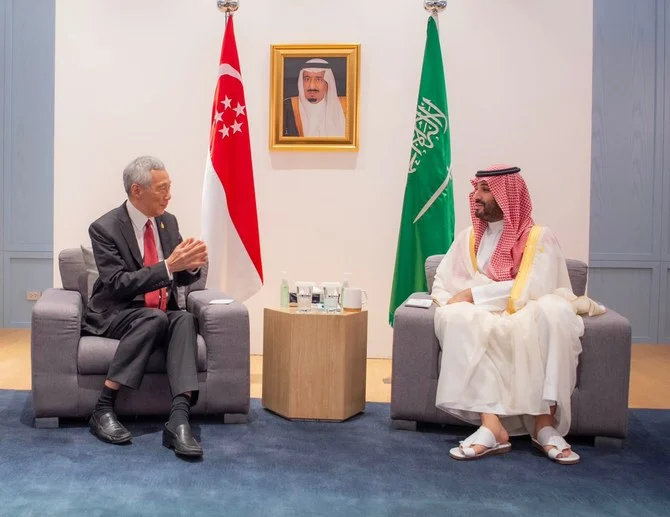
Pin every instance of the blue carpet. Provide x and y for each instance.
(274, 467)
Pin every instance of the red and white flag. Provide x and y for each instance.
(229, 219)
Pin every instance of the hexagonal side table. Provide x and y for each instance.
(314, 364)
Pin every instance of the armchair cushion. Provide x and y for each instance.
(91, 269)
(431, 265)
(201, 283)
(73, 272)
(96, 353)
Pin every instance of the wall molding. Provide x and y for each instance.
(23, 271)
(640, 283)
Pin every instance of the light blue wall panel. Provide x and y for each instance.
(5, 40)
(26, 139)
(27, 271)
(664, 125)
(640, 283)
(630, 176)
(28, 122)
(625, 184)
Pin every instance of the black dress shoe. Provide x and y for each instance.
(108, 428)
(181, 440)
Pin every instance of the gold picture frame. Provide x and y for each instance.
(301, 79)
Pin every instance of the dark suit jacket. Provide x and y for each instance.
(123, 279)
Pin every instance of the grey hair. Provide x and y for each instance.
(139, 171)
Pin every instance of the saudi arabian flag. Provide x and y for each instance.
(427, 225)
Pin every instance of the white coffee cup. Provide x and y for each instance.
(353, 299)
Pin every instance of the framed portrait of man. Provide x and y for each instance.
(314, 97)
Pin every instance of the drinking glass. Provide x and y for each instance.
(304, 294)
(331, 296)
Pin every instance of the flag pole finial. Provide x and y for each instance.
(435, 6)
(228, 7)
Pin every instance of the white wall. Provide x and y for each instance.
(138, 78)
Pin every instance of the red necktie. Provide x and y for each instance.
(155, 299)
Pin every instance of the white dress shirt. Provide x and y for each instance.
(139, 221)
(497, 293)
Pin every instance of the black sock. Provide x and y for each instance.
(180, 411)
(106, 401)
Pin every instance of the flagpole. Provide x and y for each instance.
(228, 7)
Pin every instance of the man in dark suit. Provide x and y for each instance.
(141, 260)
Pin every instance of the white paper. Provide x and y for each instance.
(423, 303)
(221, 301)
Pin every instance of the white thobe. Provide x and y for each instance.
(512, 358)
(495, 294)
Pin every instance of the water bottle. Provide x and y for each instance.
(345, 284)
(283, 298)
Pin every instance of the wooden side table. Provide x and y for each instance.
(314, 364)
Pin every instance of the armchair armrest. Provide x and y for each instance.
(225, 329)
(54, 341)
(603, 392)
(415, 361)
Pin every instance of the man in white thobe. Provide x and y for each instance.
(317, 110)
(508, 324)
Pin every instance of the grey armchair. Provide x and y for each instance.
(599, 402)
(68, 369)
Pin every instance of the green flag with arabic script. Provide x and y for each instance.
(427, 224)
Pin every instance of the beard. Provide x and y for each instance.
(488, 212)
(311, 96)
